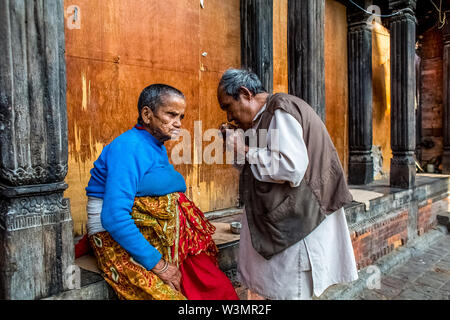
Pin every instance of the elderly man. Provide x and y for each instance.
(294, 239)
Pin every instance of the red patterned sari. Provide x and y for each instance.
(180, 231)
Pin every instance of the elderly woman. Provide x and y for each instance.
(150, 240)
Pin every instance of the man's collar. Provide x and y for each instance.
(260, 112)
(258, 115)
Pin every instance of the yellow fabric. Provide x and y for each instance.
(156, 218)
(129, 279)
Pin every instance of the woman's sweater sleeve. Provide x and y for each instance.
(124, 168)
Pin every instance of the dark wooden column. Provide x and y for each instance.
(403, 86)
(360, 168)
(36, 233)
(257, 39)
(418, 107)
(446, 122)
(306, 66)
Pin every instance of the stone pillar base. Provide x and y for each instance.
(446, 162)
(36, 242)
(403, 173)
(360, 171)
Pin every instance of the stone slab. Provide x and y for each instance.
(88, 262)
(365, 196)
(389, 291)
(426, 280)
(223, 233)
(95, 291)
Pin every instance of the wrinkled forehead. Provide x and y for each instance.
(173, 103)
(224, 99)
(169, 98)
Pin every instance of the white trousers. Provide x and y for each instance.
(286, 276)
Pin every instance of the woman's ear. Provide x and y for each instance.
(146, 114)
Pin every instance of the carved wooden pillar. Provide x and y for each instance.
(36, 233)
(257, 45)
(403, 86)
(418, 107)
(446, 95)
(360, 168)
(306, 63)
(257, 39)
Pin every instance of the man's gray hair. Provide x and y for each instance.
(233, 79)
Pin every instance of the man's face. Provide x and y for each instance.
(238, 111)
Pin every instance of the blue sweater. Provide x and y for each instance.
(133, 164)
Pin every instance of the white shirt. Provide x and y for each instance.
(326, 252)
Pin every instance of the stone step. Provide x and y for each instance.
(94, 287)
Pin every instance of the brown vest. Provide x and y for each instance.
(279, 215)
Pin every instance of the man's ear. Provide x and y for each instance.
(245, 92)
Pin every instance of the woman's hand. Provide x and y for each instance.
(168, 273)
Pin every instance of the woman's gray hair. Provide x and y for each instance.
(233, 79)
(153, 97)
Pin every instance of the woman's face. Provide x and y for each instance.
(165, 123)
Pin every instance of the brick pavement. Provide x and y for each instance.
(424, 277)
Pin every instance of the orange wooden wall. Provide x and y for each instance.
(336, 77)
(381, 107)
(123, 46)
(280, 64)
(336, 87)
